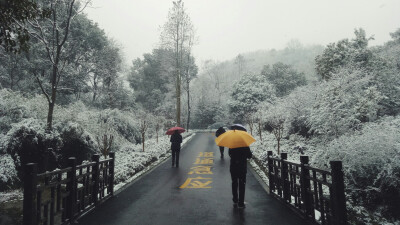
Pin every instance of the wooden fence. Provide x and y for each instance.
(61, 196)
(318, 195)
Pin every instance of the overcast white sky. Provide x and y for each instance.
(229, 27)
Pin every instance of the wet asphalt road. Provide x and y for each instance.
(157, 198)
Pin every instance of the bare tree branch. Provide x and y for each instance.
(41, 87)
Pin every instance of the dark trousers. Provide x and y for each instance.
(221, 149)
(175, 157)
(238, 181)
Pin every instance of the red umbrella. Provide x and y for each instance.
(170, 131)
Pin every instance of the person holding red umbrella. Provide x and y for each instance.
(176, 140)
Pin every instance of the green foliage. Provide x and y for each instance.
(371, 165)
(352, 53)
(149, 78)
(386, 74)
(248, 93)
(76, 142)
(28, 142)
(206, 114)
(14, 36)
(344, 103)
(284, 78)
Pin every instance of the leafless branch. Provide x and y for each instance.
(68, 23)
(41, 87)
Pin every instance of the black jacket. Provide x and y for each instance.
(219, 131)
(239, 158)
(176, 140)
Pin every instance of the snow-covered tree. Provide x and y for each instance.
(283, 77)
(177, 36)
(247, 93)
(14, 36)
(371, 165)
(344, 103)
(352, 53)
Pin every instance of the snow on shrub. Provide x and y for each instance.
(14, 107)
(8, 172)
(345, 102)
(371, 162)
(131, 159)
(23, 137)
(76, 142)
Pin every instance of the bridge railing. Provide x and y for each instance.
(316, 194)
(61, 196)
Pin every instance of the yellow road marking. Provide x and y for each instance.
(201, 170)
(204, 161)
(196, 183)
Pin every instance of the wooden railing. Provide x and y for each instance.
(318, 195)
(61, 196)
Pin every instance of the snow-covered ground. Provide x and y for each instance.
(130, 163)
(129, 168)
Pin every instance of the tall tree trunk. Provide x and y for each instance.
(178, 84)
(178, 100)
(12, 78)
(279, 145)
(143, 141)
(94, 88)
(53, 91)
(157, 132)
(189, 108)
(178, 80)
(50, 116)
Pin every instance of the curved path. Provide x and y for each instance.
(198, 192)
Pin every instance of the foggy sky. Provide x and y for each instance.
(229, 27)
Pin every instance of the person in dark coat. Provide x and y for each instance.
(176, 140)
(238, 171)
(220, 131)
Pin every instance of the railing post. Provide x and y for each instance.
(30, 192)
(285, 177)
(96, 177)
(339, 212)
(305, 186)
(111, 174)
(270, 168)
(71, 189)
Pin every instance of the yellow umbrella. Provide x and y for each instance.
(235, 139)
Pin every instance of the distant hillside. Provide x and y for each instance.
(210, 92)
(300, 57)
(220, 76)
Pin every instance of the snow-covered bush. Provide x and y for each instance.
(76, 142)
(371, 161)
(8, 172)
(131, 159)
(124, 123)
(14, 107)
(345, 102)
(24, 138)
(27, 141)
(121, 124)
(248, 93)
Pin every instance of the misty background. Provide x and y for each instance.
(227, 28)
(316, 78)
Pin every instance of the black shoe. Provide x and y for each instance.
(241, 206)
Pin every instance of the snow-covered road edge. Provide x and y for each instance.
(18, 194)
(123, 185)
(259, 175)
